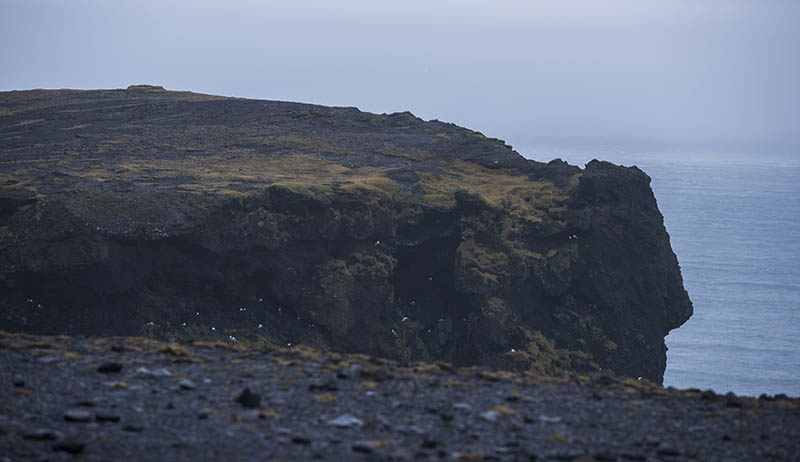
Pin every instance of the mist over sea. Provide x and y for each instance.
(734, 223)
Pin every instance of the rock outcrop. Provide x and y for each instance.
(187, 216)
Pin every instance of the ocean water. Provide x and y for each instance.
(734, 223)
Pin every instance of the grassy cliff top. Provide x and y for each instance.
(102, 142)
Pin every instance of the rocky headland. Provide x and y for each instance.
(183, 216)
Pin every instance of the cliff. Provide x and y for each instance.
(187, 216)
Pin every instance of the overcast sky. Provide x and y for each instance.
(682, 73)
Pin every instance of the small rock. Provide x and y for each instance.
(383, 375)
(733, 401)
(567, 454)
(548, 419)
(161, 372)
(605, 456)
(105, 417)
(43, 434)
(118, 348)
(350, 372)
(490, 416)
(109, 368)
(186, 384)
(301, 440)
(462, 406)
(248, 399)
(19, 382)
(652, 441)
(367, 447)
(346, 421)
(709, 395)
(327, 384)
(668, 451)
(70, 445)
(77, 415)
(633, 456)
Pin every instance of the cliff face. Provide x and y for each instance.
(147, 212)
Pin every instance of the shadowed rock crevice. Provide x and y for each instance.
(426, 294)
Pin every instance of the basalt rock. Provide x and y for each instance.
(187, 216)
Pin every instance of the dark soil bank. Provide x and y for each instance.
(178, 215)
(135, 399)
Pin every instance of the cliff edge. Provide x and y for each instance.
(188, 216)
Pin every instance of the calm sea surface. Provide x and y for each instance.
(735, 227)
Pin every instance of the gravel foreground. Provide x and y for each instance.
(65, 398)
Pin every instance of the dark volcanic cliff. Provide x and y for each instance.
(147, 212)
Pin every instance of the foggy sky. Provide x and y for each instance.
(711, 73)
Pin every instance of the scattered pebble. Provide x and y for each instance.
(668, 451)
(248, 399)
(366, 447)
(77, 415)
(325, 384)
(160, 372)
(109, 368)
(566, 454)
(346, 421)
(732, 400)
(43, 434)
(187, 384)
(605, 456)
(106, 417)
(352, 371)
(71, 446)
(302, 440)
(709, 395)
(633, 456)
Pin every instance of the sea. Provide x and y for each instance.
(734, 224)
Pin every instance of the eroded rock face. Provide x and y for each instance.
(147, 212)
